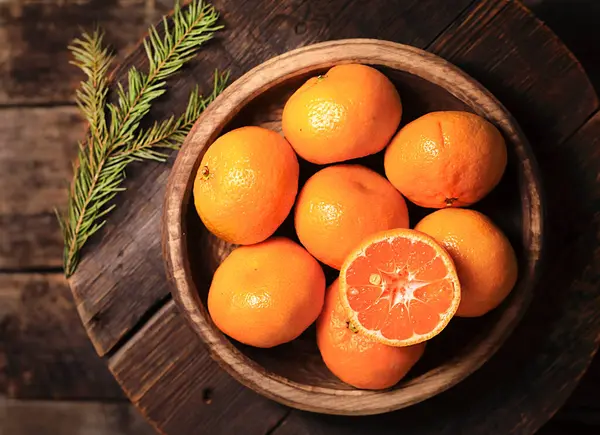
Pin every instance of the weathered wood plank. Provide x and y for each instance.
(578, 161)
(575, 25)
(44, 350)
(168, 374)
(572, 170)
(70, 418)
(583, 405)
(525, 65)
(34, 36)
(574, 428)
(37, 147)
(106, 285)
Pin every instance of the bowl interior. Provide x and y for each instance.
(299, 361)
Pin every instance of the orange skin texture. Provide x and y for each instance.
(246, 185)
(446, 159)
(266, 294)
(484, 258)
(341, 205)
(352, 111)
(355, 358)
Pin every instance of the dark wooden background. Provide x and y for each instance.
(48, 367)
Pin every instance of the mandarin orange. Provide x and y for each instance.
(446, 159)
(349, 112)
(246, 185)
(267, 294)
(341, 205)
(485, 260)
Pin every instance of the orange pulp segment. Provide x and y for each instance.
(399, 287)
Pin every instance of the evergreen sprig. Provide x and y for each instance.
(94, 60)
(115, 138)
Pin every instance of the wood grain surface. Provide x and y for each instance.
(575, 25)
(70, 418)
(37, 172)
(34, 36)
(167, 373)
(520, 60)
(44, 350)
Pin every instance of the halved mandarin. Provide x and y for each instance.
(399, 287)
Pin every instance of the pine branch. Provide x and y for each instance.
(166, 55)
(171, 132)
(94, 60)
(114, 143)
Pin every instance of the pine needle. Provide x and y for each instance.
(94, 60)
(166, 55)
(171, 132)
(115, 138)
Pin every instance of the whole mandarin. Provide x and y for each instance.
(485, 261)
(446, 159)
(341, 205)
(351, 111)
(246, 185)
(266, 294)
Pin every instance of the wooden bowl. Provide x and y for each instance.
(294, 373)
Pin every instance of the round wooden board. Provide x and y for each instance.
(122, 293)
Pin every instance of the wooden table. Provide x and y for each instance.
(157, 360)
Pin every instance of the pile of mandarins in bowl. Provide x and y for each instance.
(397, 287)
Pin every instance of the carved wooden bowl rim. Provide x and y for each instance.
(270, 74)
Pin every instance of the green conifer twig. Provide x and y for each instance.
(116, 140)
